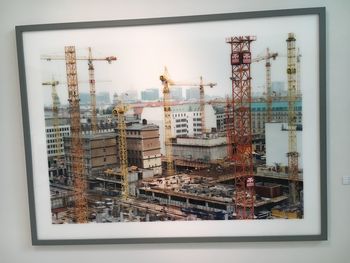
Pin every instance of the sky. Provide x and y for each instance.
(188, 50)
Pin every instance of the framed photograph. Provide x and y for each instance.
(208, 128)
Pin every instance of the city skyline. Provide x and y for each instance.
(187, 55)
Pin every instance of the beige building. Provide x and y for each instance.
(204, 149)
(143, 146)
(100, 153)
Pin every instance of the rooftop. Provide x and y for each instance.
(186, 107)
(143, 127)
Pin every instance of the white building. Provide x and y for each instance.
(277, 144)
(207, 148)
(187, 119)
(54, 140)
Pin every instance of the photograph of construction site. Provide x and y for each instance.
(177, 125)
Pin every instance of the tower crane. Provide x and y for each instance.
(242, 136)
(201, 86)
(119, 111)
(267, 57)
(292, 154)
(92, 81)
(55, 109)
(80, 200)
(298, 73)
(167, 82)
(202, 101)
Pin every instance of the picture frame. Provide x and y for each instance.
(183, 36)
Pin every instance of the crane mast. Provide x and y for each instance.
(202, 102)
(119, 111)
(80, 200)
(268, 85)
(92, 81)
(292, 154)
(201, 86)
(167, 124)
(298, 73)
(242, 135)
(55, 110)
(167, 82)
(92, 93)
(267, 59)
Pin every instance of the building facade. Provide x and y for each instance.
(259, 116)
(100, 153)
(192, 94)
(150, 95)
(201, 149)
(54, 140)
(176, 93)
(143, 146)
(187, 120)
(279, 114)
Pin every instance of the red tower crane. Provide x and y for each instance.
(242, 135)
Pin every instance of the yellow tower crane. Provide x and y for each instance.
(202, 100)
(292, 154)
(55, 110)
(267, 57)
(167, 82)
(80, 200)
(298, 73)
(119, 111)
(92, 81)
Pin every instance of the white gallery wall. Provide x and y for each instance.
(15, 241)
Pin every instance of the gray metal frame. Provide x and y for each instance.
(319, 11)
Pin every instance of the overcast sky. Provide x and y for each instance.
(188, 50)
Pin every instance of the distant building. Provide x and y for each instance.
(279, 114)
(259, 117)
(115, 99)
(150, 94)
(278, 88)
(55, 151)
(192, 94)
(103, 98)
(54, 140)
(85, 98)
(187, 119)
(176, 93)
(129, 97)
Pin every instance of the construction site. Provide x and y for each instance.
(234, 158)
